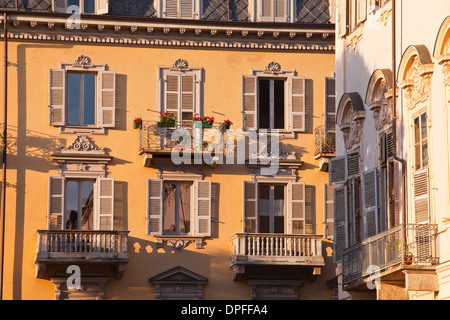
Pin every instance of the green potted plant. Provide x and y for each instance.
(226, 124)
(204, 145)
(407, 255)
(205, 122)
(166, 119)
(137, 123)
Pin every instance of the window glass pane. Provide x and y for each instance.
(297, 227)
(87, 202)
(264, 208)
(423, 125)
(184, 213)
(267, 8)
(424, 153)
(89, 6)
(72, 202)
(278, 210)
(416, 130)
(89, 99)
(73, 3)
(169, 208)
(279, 104)
(74, 80)
(264, 104)
(281, 8)
(417, 156)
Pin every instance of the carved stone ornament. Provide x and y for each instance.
(273, 67)
(352, 129)
(81, 143)
(419, 84)
(180, 65)
(83, 62)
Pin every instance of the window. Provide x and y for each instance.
(179, 9)
(350, 15)
(85, 204)
(420, 142)
(275, 101)
(82, 96)
(179, 207)
(273, 10)
(274, 207)
(84, 6)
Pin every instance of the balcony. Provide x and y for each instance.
(81, 247)
(407, 249)
(158, 142)
(272, 250)
(325, 146)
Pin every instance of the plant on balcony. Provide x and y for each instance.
(227, 123)
(407, 255)
(166, 119)
(137, 123)
(205, 122)
(204, 145)
(328, 144)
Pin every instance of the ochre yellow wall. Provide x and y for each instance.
(32, 141)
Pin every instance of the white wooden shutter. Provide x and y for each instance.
(370, 200)
(187, 94)
(56, 192)
(186, 9)
(352, 164)
(297, 104)
(330, 105)
(393, 192)
(171, 8)
(107, 107)
(102, 6)
(57, 97)
(361, 10)
(328, 208)
(296, 221)
(340, 214)
(267, 10)
(342, 18)
(171, 93)
(337, 170)
(250, 206)
(203, 208)
(59, 6)
(249, 98)
(421, 197)
(105, 203)
(281, 10)
(155, 198)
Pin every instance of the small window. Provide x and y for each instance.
(420, 142)
(271, 206)
(81, 89)
(177, 207)
(179, 9)
(271, 104)
(274, 10)
(80, 6)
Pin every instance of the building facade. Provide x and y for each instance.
(109, 178)
(392, 165)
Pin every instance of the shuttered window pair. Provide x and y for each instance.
(82, 98)
(61, 206)
(350, 14)
(261, 107)
(84, 6)
(178, 9)
(256, 207)
(167, 212)
(274, 10)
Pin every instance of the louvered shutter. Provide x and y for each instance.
(354, 196)
(340, 213)
(250, 209)
(280, 10)
(370, 200)
(171, 8)
(203, 208)
(352, 164)
(330, 105)
(57, 95)
(102, 6)
(266, 10)
(337, 170)
(59, 6)
(382, 149)
(105, 203)
(107, 108)
(249, 89)
(328, 208)
(155, 198)
(393, 192)
(421, 197)
(297, 104)
(171, 93)
(296, 201)
(361, 10)
(56, 191)
(342, 18)
(187, 95)
(186, 9)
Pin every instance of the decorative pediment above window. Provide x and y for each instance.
(350, 118)
(83, 62)
(180, 65)
(178, 283)
(379, 97)
(81, 158)
(273, 67)
(442, 49)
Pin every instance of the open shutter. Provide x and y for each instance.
(249, 108)
(342, 18)
(187, 9)
(59, 6)
(56, 191)
(421, 197)
(281, 10)
(102, 6)
(250, 206)
(107, 99)
(328, 205)
(296, 223)
(203, 208)
(337, 170)
(171, 93)
(105, 203)
(297, 104)
(266, 10)
(352, 164)
(330, 105)
(187, 97)
(393, 192)
(370, 200)
(340, 213)
(57, 97)
(154, 206)
(361, 10)
(171, 8)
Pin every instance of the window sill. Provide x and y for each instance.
(82, 130)
(179, 242)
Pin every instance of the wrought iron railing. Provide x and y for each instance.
(405, 244)
(325, 142)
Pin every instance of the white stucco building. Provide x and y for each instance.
(391, 172)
